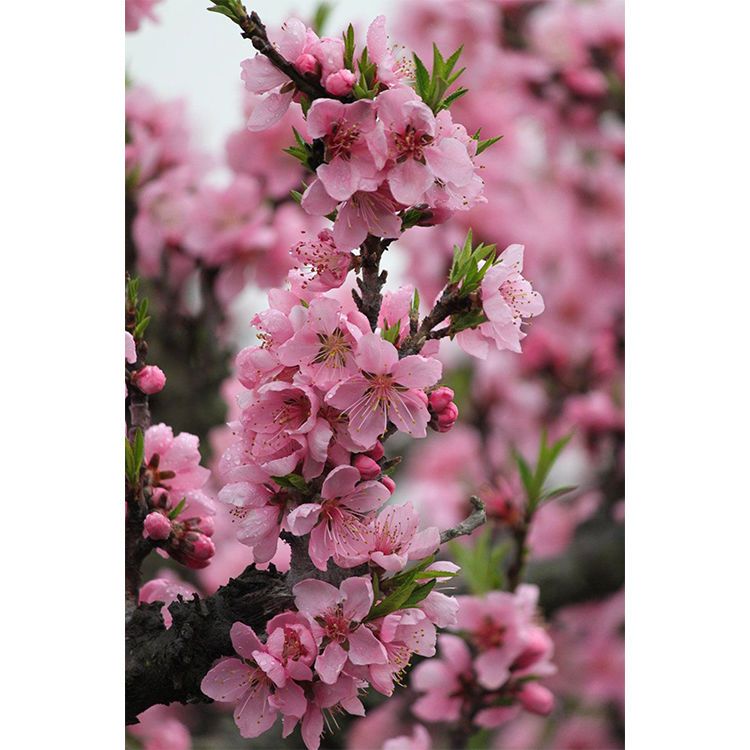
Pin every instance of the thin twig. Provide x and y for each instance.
(474, 521)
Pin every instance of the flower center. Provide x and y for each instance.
(410, 144)
(489, 635)
(334, 349)
(342, 137)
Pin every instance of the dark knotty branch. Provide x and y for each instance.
(474, 521)
(162, 666)
(254, 29)
(371, 284)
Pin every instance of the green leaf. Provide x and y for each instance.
(322, 12)
(422, 79)
(292, 481)
(177, 509)
(137, 451)
(140, 329)
(349, 48)
(418, 594)
(391, 333)
(485, 144)
(129, 462)
(224, 12)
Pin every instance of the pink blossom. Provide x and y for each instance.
(354, 145)
(335, 617)
(393, 541)
(159, 728)
(243, 683)
(150, 379)
(395, 310)
(403, 633)
(323, 347)
(419, 740)
(138, 10)
(259, 511)
(507, 298)
(341, 82)
(367, 468)
(371, 210)
(386, 389)
(336, 525)
(229, 222)
(392, 71)
(323, 265)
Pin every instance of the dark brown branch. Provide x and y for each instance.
(254, 29)
(371, 284)
(468, 525)
(162, 666)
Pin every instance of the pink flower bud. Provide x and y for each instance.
(150, 379)
(538, 645)
(200, 548)
(447, 418)
(340, 83)
(536, 698)
(440, 398)
(205, 524)
(367, 468)
(586, 82)
(377, 452)
(389, 484)
(157, 526)
(436, 215)
(306, 63)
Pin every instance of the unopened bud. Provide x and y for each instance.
(157, 526)
(306, 63)
(389, 484)
(367, 468)
(440, 398)
(536, 698)
(150, 379)
(447, 418)
(340, 83)
(377, 452)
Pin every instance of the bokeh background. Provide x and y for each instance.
(547, 75)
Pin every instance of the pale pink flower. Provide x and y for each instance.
(323, 348)
(354, 143)
(388, 388)
(228, 222)
(402, 633)
(341, 82)
(243, 683)
(392, 71)
(371, 210)
(159, 728)
(495, 625)
(418, 156)
(259, 511)
(138, 10)
(507, 298)
(336, 615)
(156, 526)
(443, 681)
(419, 740)
(290, 649)
(336, 524)
(393, 541)
(395, 309)
(323, 265)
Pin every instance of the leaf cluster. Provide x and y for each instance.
(134, 458)
(432, 86)
(482, 564)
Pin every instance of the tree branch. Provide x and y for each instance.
(370, 285)
(474, 521)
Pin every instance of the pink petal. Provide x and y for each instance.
(244, 640)
(408, 181)
(415, 371)
(424, 544)
(347, 392)
(340, 178)
(271, 666)
(253, 715)
(340, 482)
(359, 598)
(450, 162)
(290, 700)
(368, 496)
(493, 668)
(377, 40)
(408, 413)
(227, 681)
(269, 110)
(322, 115)
(350, 229)
(330, 663)
(365, 648)
(320, 547)
(303, 518)
(317, 202)
(312, 728)
(473, 343)
(313, 597)
(437, 707)
(260, 75)
(376, 355)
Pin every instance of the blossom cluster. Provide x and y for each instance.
(491, 670)
(320, 656)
